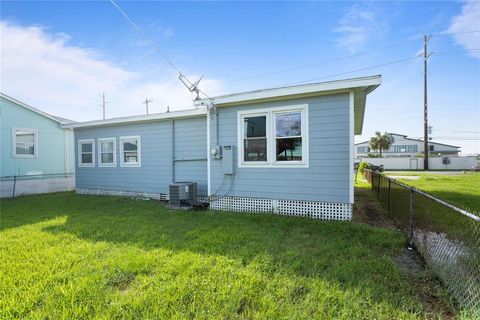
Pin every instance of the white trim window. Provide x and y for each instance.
(274, 137)
(86, 153)
(130, 151)
(24, 143)
(107, 152)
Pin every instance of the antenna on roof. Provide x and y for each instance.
(192, 87)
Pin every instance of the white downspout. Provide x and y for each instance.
(209, 187)
(352, 144)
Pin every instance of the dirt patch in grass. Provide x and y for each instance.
(367, 210)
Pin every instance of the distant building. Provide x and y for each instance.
(402, 147)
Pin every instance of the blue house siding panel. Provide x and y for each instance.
(52, 141)
(155, 173)
(327, 177)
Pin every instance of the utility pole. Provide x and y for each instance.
(426, 150)
(146, 102)
(104, 102)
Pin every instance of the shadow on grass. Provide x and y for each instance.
(351, 255)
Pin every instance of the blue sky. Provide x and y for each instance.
(59, 56)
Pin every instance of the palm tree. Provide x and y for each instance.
(380, 142)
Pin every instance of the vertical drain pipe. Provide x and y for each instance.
(172, 122)
(209, 193)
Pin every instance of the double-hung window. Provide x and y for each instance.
(130, 151)
(86, 153)
(24, 143)
(255, 138)
(274, 137)
(107, 152)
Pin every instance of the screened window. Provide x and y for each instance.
(130, 151)
(255, 138)
(432, 148)
(86, 153)
(273, 137)
(288, 136)
(24, 143)
(107, 152)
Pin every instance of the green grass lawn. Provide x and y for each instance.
(67, 256)
(462, 190)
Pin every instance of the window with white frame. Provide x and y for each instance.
(86, 153)
(24, 143)
(130, 151)
(107, 152)
(273, 137)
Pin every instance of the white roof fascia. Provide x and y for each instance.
(26, 106)
(372, 82)
(142, 118)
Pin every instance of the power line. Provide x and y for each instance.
(320, 62)
(191, 86)
(453, 33)
(353, 71)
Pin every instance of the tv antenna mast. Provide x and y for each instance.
(192, 87)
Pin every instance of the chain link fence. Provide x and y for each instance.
(13, 186)
(447, 237)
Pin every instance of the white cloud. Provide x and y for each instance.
(467, 20)
(357, 25)
(47, 72)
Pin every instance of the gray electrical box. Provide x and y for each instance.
(227, 154)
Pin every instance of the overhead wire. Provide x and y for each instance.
(155, 46)
(353, 71)
(320, 62)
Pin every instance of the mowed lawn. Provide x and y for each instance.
(462, 190)
(67, 256)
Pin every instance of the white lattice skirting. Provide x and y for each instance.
(312, 209)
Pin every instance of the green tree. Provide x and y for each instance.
(380, 142)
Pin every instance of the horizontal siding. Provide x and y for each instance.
(155, 173)
(327, 177)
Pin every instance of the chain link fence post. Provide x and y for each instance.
(389, 199)
(410, 223)
(14, 185)
(378, 187)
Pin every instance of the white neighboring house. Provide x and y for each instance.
(403, 147)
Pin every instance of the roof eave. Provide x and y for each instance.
(289, 92)
(33, 109)
(138, 119)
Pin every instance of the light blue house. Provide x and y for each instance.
(33, 144)
(285, 150)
